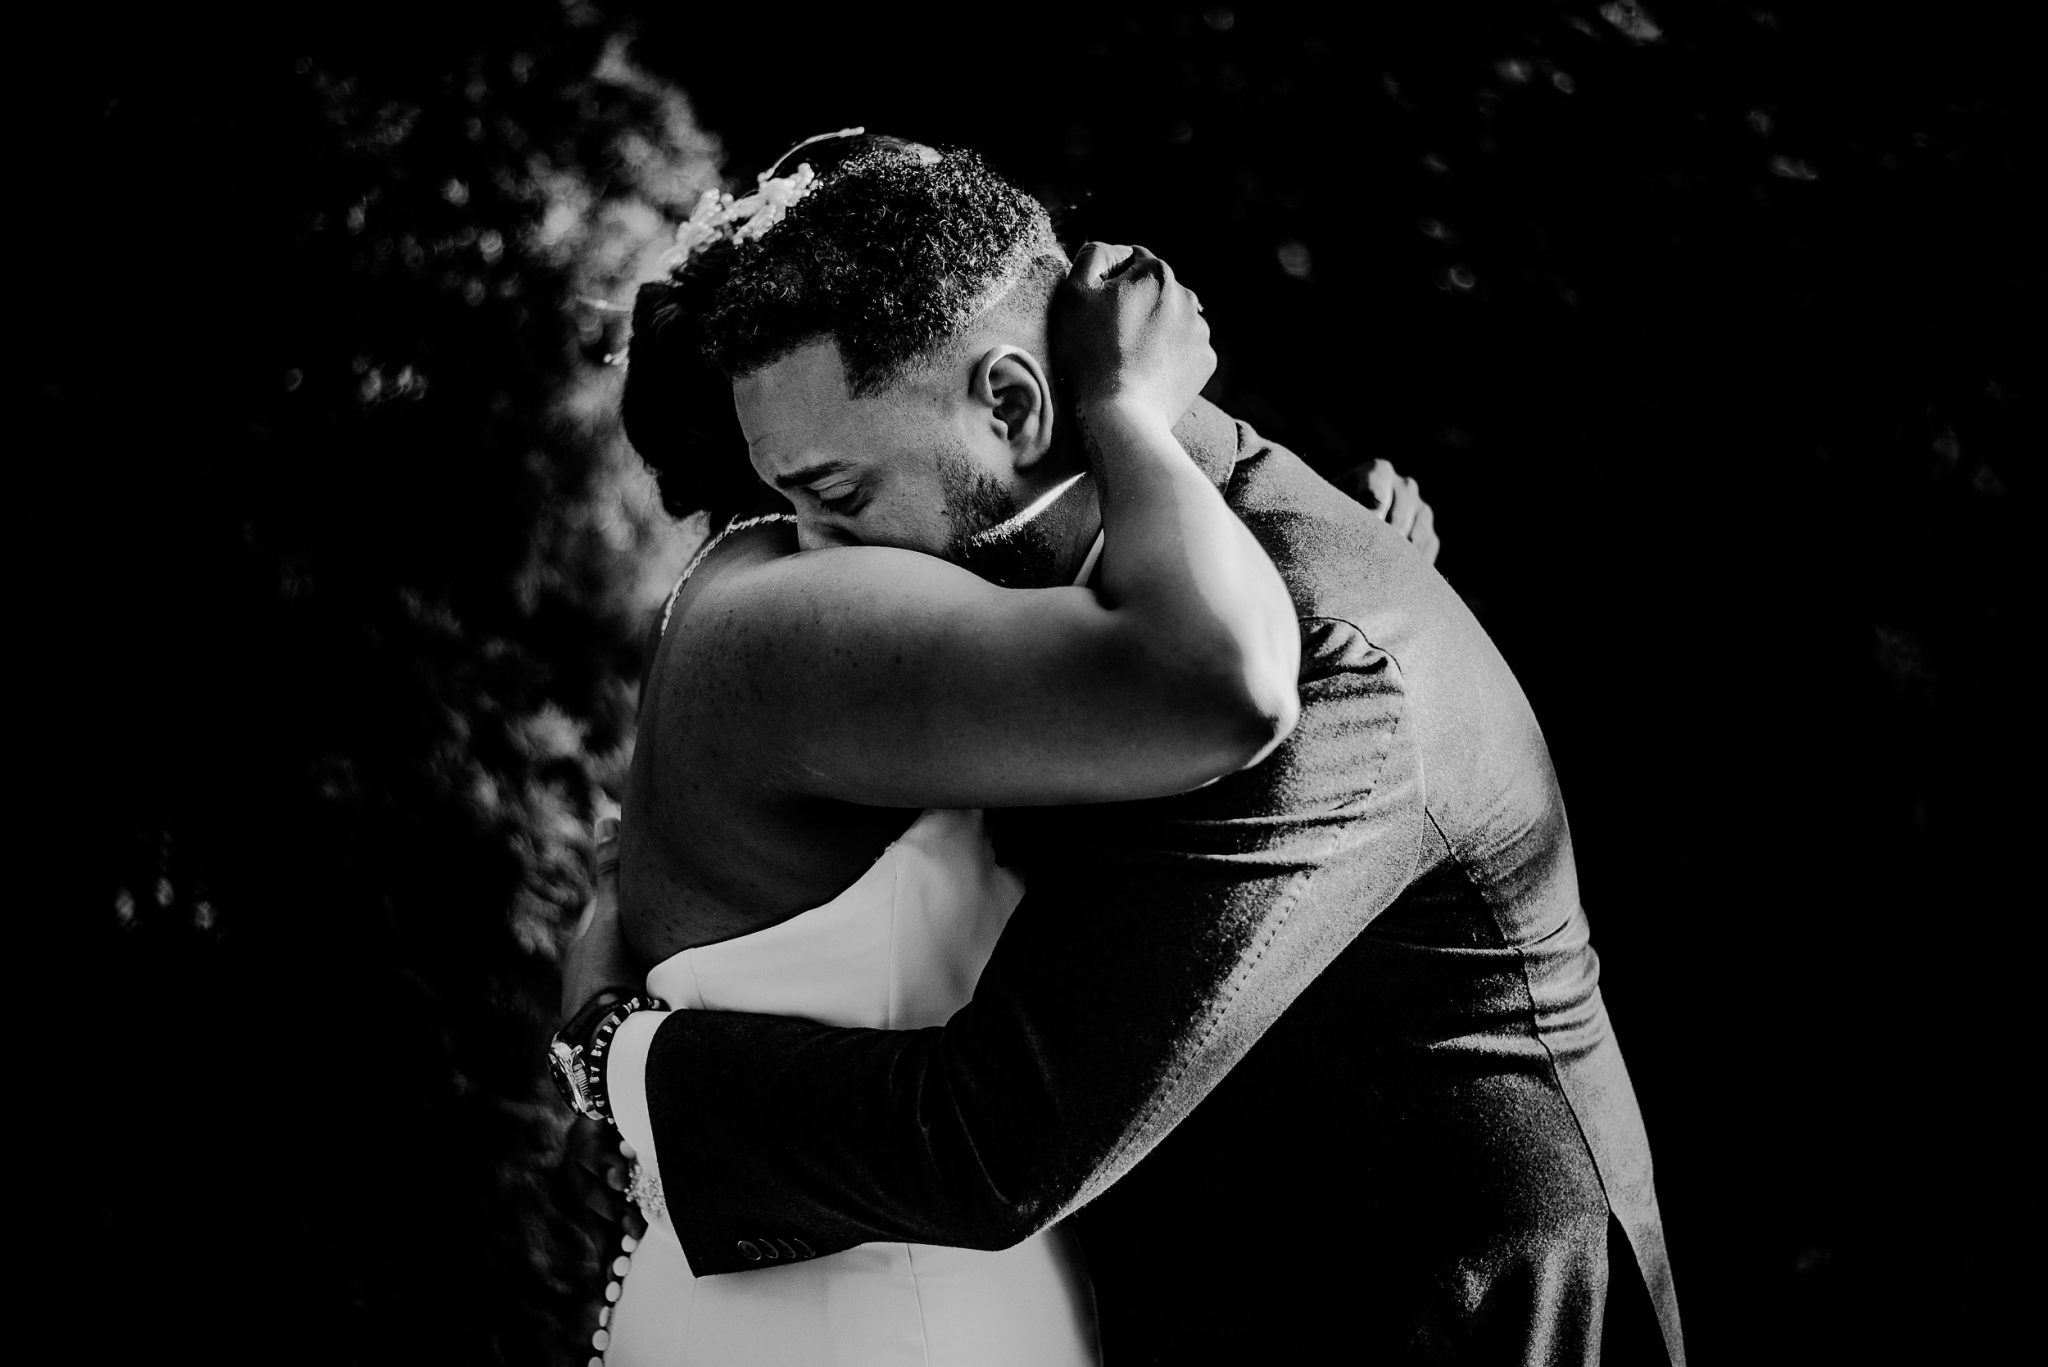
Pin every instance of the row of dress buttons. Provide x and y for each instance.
(621, 1265)
(774, 1249)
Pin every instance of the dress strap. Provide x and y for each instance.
(738, 524)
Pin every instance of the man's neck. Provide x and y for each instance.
(1070, 512)
(1071, 521)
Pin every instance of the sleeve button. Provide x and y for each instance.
(750, 1250)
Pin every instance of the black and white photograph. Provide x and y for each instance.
(1043, 686)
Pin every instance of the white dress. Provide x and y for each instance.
(899, 949)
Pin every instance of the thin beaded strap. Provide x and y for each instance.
(737, 525)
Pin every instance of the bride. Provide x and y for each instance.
(830, 702)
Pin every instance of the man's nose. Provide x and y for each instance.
(812, 536)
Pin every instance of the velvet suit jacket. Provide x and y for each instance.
(1348, 995)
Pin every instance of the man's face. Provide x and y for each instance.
(909, 467)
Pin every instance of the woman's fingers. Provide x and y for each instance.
(1402, 506)
(1097, 261)
(1407, 500)
(1138, 261)
(1424, 533)
(1373, 485)
(1398, 500)
(1385, 490)
(1124, 324)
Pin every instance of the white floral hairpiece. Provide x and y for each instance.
(720, 215)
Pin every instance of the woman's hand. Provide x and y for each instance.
(1398, 501)
(598, 956)
(1129, 335)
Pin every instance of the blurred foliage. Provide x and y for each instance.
(362, 564)
(1710, 330)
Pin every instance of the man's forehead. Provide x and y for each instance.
(810, 381)
(793, 404)
(796, 412)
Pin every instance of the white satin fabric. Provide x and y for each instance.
(899, 949)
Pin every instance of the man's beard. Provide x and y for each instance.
(988, 540)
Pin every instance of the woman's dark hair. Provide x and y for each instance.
(896, 248)
(677, 407)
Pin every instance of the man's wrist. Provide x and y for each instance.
(577, 1053)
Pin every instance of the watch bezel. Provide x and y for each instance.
(576, 1052)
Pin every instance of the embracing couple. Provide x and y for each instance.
(1267, 951)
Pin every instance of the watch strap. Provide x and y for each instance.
(578, 1052)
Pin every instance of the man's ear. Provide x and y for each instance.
(1012, 386)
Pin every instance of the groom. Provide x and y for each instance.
(1320, 1046)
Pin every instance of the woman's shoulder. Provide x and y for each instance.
(746, 541)
(749, 542)
(756, 580)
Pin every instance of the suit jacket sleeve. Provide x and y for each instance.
(1155, 943)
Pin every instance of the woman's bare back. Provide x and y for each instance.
(712, 850)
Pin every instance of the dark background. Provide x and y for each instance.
(1711, 331)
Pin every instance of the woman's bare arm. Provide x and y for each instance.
(892, 678)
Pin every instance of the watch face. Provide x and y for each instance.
(570, 1079)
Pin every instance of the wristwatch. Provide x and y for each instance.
(576, 1054)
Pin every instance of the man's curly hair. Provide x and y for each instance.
(894, 253)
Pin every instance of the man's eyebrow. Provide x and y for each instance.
(794, 478)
